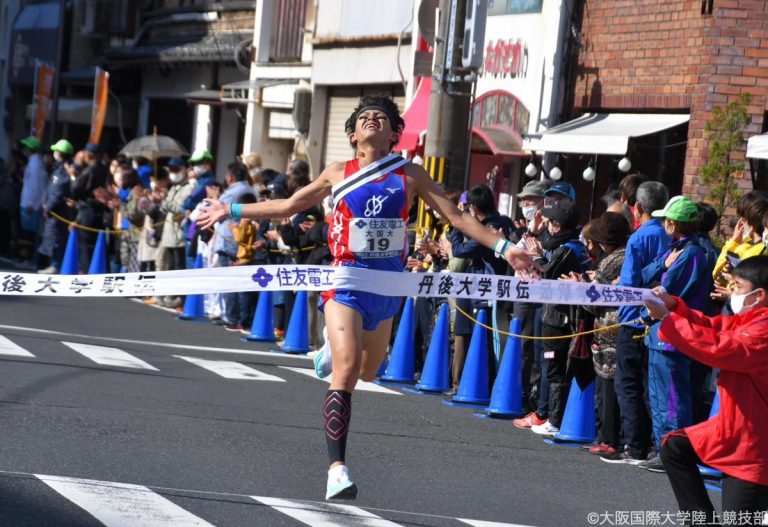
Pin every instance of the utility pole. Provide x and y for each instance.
(445, 153)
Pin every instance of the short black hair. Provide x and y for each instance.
(247, 198)
(755, 270)
(299, 167)
(215, 184)
(387, 105)
(707, 217)
(481, 197)
(611, 196)
(628, 187)
(238, 170)
(754, 214)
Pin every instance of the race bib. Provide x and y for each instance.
(377, 237)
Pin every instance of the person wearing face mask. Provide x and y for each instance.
(682, 271)
(172, 240)
(55, 232)
(746, 240)
(530, 201)
(609, 233)
(202, 164)
(735, 441)
(561, 254)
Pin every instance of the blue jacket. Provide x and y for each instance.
(199, 193)
(225, 242)
(643, 247)
(688, 278)
(482, 260)
(59, 189)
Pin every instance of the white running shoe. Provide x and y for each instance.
(322, 359)
(547, 429)
(340, 487)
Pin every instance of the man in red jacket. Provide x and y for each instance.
(736, 440)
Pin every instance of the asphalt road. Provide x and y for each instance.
(159, 438)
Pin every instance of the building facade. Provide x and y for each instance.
(672, 57)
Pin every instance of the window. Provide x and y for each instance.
(513, 7)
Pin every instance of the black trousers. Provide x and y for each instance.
(609, 415)
(557, 368)
(630, 384)
(739, 496)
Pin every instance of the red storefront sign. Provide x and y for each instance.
(506, 58)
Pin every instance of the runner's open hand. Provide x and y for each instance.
(522, 262)
(213, 211)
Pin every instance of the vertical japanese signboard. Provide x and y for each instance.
(100, 95)
(42, 97)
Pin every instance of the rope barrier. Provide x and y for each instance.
(559, 337)
(106, 231)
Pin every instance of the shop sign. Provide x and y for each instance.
(506, 58)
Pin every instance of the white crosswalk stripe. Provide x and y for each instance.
(8, 347)
(121, 504)
(319, 514)
(231, 370)
(361, 385)
(107, 356)
(481, 523)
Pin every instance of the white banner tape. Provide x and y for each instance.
(319, 278)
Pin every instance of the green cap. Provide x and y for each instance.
(199, 156)
(63, 146)
(31, 142)
(679, 209)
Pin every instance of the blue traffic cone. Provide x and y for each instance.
(704, 470)
(473, 387)
(435, 377)
(578, 424)
(382, 368)
(297, 334)
(99, 257)
(71, 264)
(402, 367)
(194, 305)
(507, 394)
(263, 326)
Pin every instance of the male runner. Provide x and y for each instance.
(359, 323)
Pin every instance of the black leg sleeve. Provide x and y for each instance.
(337, 411)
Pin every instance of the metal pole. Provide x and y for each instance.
(57, 75)
(447, 133)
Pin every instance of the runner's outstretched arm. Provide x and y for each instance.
(302, 199)
(427, 189)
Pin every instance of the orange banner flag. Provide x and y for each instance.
(42, 97)
(100, 101)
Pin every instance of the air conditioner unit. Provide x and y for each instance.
(302, 109)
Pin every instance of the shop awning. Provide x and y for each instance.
(416, 117)
(497, 140)
(34, 35)
(601, 133)
(757, 147)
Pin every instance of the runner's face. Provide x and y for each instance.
(372, 125)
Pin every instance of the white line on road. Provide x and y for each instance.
(109, 356)
(11, 348)
(152, 343)
(122, 504)
(325, 514)
(231, 370)
(481, 523)
(361, 385)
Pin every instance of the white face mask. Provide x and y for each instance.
(152, 186)
(737, 303)
(119, 179)
(747, 233)
(135, 165)
(176, 177)
(765, 236)
(529, 212)
(57, 156)
(199, 170)
(194, 182)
